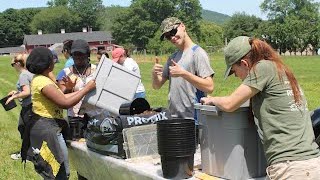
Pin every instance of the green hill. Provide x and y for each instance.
(112, 12)
(214, 17)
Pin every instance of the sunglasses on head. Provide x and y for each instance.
(171, 33)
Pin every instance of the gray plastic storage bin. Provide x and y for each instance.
(230, 146)
(115, 85)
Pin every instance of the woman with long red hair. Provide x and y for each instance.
(279, 107)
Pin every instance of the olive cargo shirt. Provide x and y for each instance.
(285, 127)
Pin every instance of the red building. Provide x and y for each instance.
(97, 39)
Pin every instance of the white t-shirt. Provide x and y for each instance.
(132, 65)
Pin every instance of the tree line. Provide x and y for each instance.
(291, 25)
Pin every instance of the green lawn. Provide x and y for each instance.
(305, 68)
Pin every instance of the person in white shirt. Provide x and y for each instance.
(119, 55)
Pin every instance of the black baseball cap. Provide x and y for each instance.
(80, 45)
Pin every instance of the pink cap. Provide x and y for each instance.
(117, 53)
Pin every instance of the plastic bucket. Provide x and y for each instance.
(177, 167)
(12, 104)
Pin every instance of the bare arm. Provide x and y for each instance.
(234, 101)
(70, 100)
(23, 94)
(157, 79)
(204, 84)
(66, 84)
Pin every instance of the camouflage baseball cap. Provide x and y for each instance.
(235, 50)
(168, 24)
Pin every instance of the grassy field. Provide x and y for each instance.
(305, 68)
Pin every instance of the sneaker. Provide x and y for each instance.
(15, 156)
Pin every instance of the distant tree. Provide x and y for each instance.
(295, 23)
(54, 3)
(14, 25)
(189, 11)
(108, 16)
(310, 17)
(144, 17)
(241, 24)
(88, 11)
(210, 36)
(129, 28)
(52, 20)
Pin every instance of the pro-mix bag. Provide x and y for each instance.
(105, 134)
(147, 117)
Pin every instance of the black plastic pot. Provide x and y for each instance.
(12, 104)
(136, 106)
(177, 167)
(76, 128)
(176, 146)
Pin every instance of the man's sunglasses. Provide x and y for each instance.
(171, 33)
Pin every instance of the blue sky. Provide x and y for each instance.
(228, 7)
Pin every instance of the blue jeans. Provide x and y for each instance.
(140, 95)
(64, 150)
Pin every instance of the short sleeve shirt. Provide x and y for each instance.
(80, 83)
(182, 94)
(41, 105)
(25, 79)
(286, 128)
(69, 62)
(132, 65)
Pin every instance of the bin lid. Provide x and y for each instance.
(115, 84)
(201, 107)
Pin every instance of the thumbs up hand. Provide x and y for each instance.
(157, 68)
(176, 70)
(157, 60)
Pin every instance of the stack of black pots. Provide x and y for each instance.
(176, 146)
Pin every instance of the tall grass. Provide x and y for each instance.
(305, 69)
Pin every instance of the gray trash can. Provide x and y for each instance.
(230, 146)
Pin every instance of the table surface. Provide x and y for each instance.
(92, 165)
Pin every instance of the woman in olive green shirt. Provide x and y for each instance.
(278, 104)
